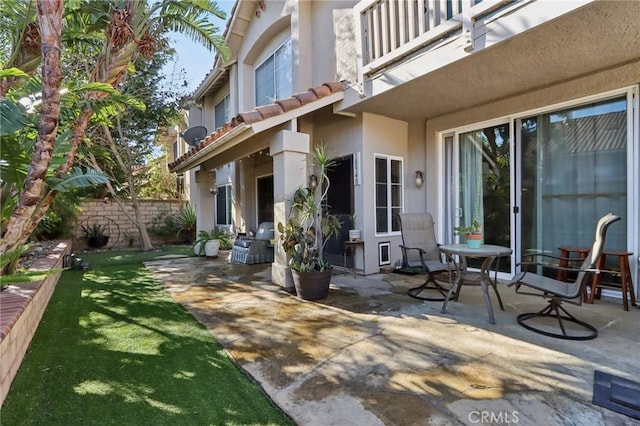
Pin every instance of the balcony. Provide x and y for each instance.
(391, 30)
(433, 57)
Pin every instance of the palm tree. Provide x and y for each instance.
(126, 27)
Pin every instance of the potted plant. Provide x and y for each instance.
(95, 235)
(472, 234)
(306, 232)
(208, 243)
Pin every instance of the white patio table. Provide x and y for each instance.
(458, 254)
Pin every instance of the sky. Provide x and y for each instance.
(192, 57)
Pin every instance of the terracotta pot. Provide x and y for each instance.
(312, 285)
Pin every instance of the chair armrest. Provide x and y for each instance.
(516, 280)
(412, 248)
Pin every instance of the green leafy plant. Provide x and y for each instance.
(95, 230)
(308, 228)
(226, 240)
(186, 220)
(474, 229)
(21, 276)
(164, 225)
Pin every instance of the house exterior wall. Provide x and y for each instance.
(424, 94)
(593, 86)
(322, 47)
(620, 77)
(381, 135)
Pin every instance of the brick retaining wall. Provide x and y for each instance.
(21, 309)
(110, 215)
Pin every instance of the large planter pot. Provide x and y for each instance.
(473, 240)
(98, 241)
(211, 248)
(196, 248)
(312, 285)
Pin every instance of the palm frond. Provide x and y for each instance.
(77, 178)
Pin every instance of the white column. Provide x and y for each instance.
(289, 152)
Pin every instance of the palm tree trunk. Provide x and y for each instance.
(16, 229)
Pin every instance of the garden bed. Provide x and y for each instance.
(22, 306)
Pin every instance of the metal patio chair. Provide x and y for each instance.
(420, 250)
(560, 291)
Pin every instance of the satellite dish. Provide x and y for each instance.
(194, 135)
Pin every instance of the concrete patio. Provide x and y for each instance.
(371, 355)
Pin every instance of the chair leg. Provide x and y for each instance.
(415, 291)
(552, 310)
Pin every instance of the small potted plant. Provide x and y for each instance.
(209, 243)
(472, 234)
(95, 235)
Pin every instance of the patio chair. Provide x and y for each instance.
(559, 291)
(420, 250)
(258, 249)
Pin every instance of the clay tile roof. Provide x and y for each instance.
(271, 110)
(335, 86)
(289, 103)
(306, 97)
(265, 111)
(321, 91)
(249, 117)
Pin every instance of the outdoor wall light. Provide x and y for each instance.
(313, 181)
(419, 179)
(213, 190)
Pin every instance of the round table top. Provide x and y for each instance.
(482, 251)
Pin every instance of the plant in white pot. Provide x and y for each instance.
(208, 243)
(307, 231)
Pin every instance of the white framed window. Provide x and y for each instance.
(223, 205)
(222, 112)
(273, 76)
(388, 194)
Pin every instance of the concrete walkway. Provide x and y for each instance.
(371, 355)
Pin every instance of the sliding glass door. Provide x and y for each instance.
(484, 182)
(567, 168)
(573, 171)
(481, 162)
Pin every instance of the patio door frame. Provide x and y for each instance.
(451, 182)
(450, 185)
(631, 93)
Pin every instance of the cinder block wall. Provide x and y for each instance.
(118, 224)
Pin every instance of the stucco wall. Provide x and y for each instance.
(515, 106)
(111, 215)
(385, 136)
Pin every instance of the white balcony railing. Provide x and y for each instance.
(389, 30)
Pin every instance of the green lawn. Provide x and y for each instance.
(114, 348)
